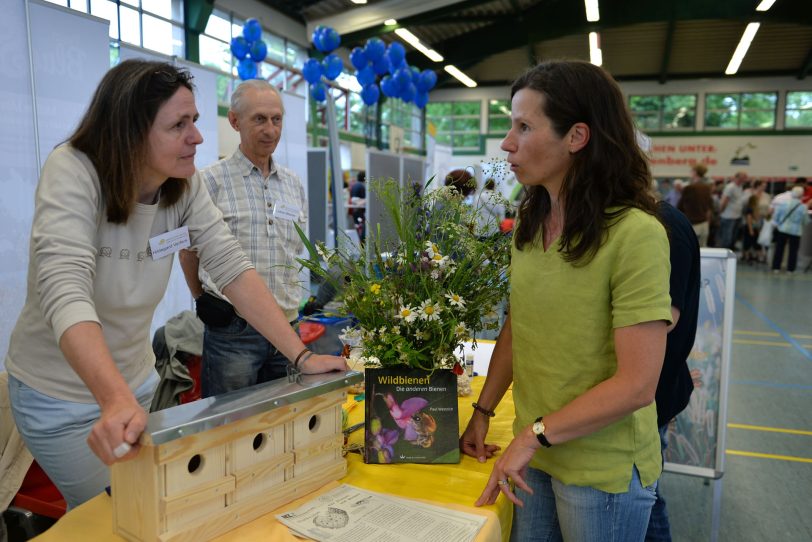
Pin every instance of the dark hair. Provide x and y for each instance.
(610, 171)
(361, 177)
(114, 131)
(463, 181)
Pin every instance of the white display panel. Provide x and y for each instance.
(18, 166)
(71, 56)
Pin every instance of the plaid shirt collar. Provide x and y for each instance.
(246, 166)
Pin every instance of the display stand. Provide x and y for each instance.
(696, 438)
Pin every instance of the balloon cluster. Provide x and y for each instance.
(249, 49)
(398, 79)
(326, 40)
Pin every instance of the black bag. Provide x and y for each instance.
(214, 311)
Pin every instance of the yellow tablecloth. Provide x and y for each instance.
(455, 486)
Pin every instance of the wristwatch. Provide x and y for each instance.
(538, 430)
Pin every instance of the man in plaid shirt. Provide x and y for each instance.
(261, 201)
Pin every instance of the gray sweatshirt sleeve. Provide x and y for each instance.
(219, 252)
(66, 214)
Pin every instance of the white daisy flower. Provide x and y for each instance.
(439, 261)
(432, 251)
(429, 311)
(455, 300)
(407, 314)
(460, 330)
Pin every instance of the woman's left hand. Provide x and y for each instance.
(511, 466)
(319, 363)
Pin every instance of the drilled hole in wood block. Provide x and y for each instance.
(195, 464)
(314, 423)
(259, 442)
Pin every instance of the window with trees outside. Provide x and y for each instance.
(498, 117)
(404, 115)
(662, 113)
(457, 123)
(798, 111)
(740, 111)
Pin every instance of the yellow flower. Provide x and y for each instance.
(375, 289)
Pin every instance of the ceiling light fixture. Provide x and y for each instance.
(413, 40)
(595, 53)
(390, 22)
(593, 14)
(358, 1)
(741, 49)
(461, 77)
(765, 5)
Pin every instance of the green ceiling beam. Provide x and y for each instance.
(669, 44)
(427, 17)
(196, 16)
(807, 65)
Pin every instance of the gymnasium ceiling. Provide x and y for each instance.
(494, 40)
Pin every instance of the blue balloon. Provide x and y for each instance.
(239, 47)
(252, 30)
(381, 66)
(365, 76)
(311, 70)
(318, 93)
(389, 86)
(374, 49)
(408, 92)
(317, 36)
(403, 77)
(421, 99)
(358, 59)
(332, 65)
(396, 53)
(428, 78)
(330, 40)
(415, 74)
(258, 51)
(247, 69)
(370, 94)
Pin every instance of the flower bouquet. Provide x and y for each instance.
(416, 297)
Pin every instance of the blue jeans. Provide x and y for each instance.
(56, 431)
(557, 512)
(236, 356)
(659, 529)
(728, 231)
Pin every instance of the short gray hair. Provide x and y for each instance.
(259, 84)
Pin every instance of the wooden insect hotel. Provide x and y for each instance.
(210, 466)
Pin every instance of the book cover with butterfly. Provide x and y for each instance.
(411, 416)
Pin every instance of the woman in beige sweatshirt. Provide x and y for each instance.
(122, 187)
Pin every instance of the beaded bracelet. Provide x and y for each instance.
(483, 410)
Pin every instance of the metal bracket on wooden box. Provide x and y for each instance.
(184, 420)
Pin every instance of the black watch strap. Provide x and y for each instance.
(542, 439)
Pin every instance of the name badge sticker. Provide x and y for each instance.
(169, 242)
(286, 211)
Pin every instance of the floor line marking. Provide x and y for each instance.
(768, 334)
(769, 429)
(761, 343)
(771, 384)
(770, 456)
(776, 327)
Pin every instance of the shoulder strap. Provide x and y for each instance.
(789, 213)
